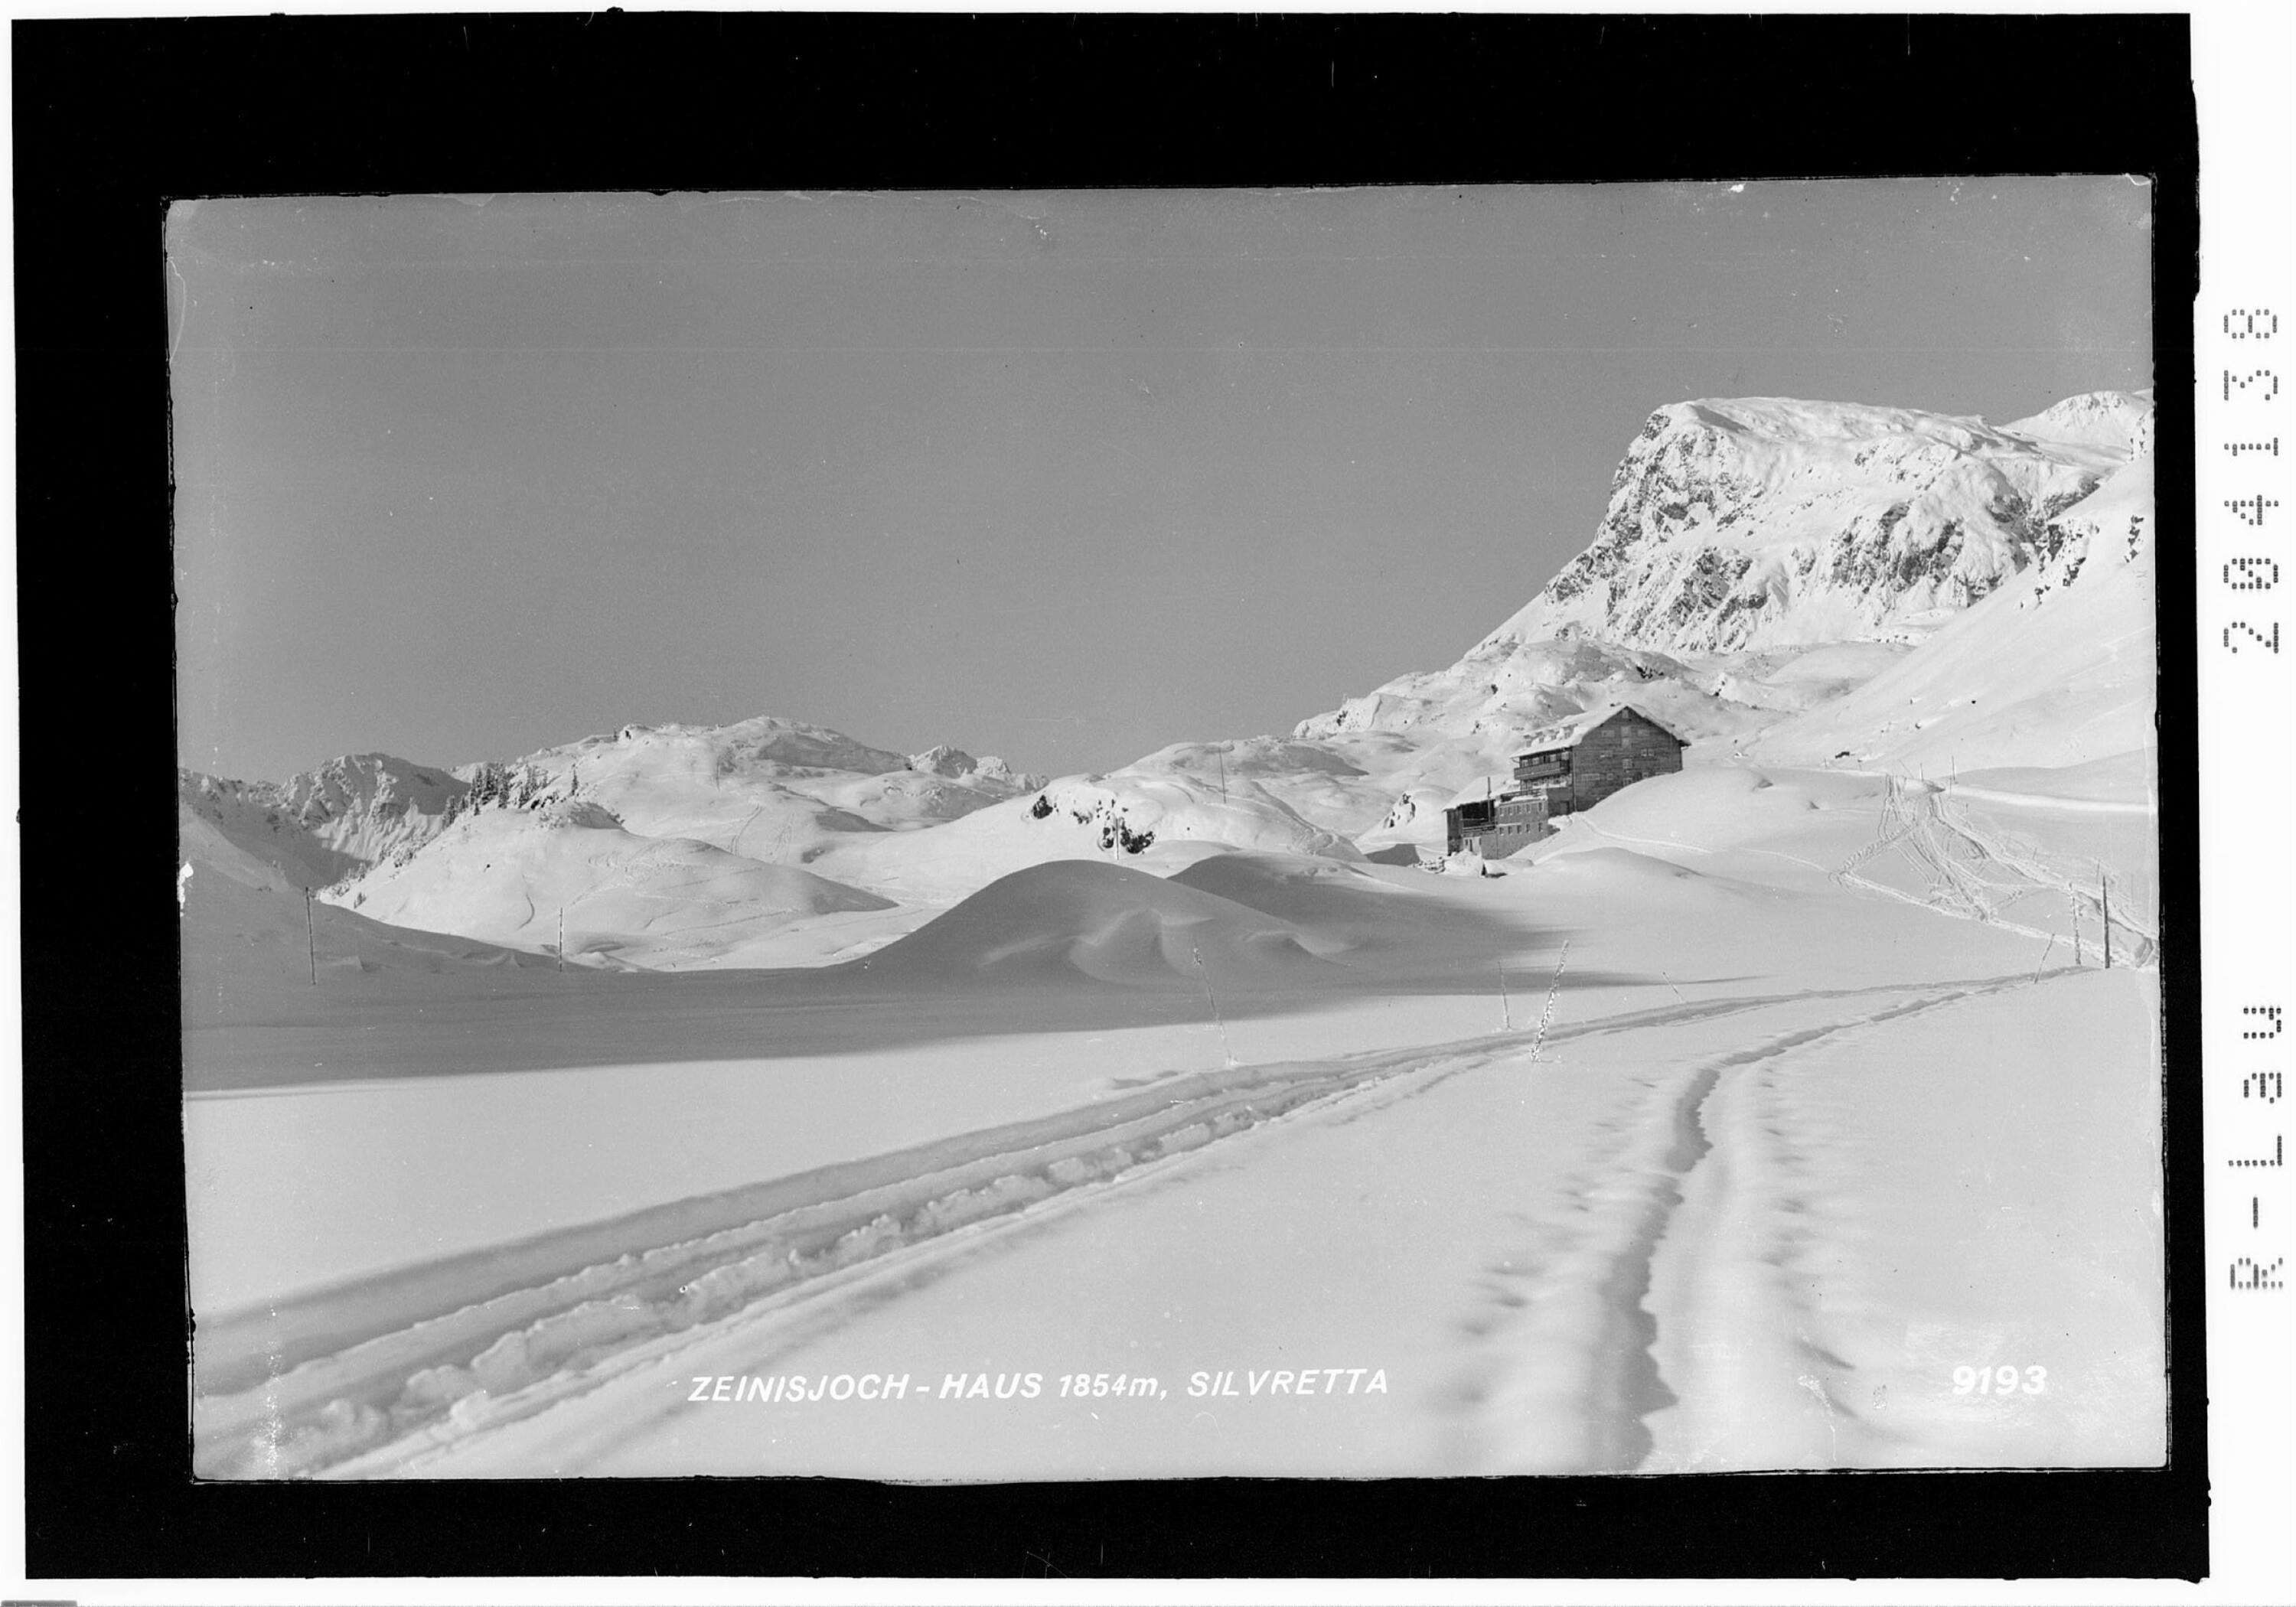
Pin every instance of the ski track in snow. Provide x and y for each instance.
(370, 1371)
(781, 1327)
(2022, 858)
(432, 1351)
(1971, 871)
(1564, 1328)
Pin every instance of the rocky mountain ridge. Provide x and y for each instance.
(1764, 522)
(330, 825)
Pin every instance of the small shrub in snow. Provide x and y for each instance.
(1119, 834)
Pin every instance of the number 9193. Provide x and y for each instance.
(1999, 1381)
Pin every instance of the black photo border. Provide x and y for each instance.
(115, 119)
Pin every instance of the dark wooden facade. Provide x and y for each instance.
(1618, 752)
(1497, 827)
(1581, 764)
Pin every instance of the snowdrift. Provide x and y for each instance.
(1240, 922)
(2122, 783)
(1717, 806)
(1158, 816)
(1082, 921)
(1336, 899)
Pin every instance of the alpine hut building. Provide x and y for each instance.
(1563, 769)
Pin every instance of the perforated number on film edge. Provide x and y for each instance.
(2251, 390)
(2252, 572)
(2259, 1023)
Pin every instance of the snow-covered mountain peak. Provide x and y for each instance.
(2115, 422)
(764, 744)
(1763, 521)
(380, 785)
(1785, 421)
(957, 764)
(768, 788)
(318, 825)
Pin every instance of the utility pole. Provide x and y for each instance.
(1227, 1055)
(1506, 1010)
(310, 937)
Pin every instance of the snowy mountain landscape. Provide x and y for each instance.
(1204, 1116)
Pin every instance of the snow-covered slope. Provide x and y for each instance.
(774, 789)
(621, 828)
(325, 823)
(771, 788)
(251, 841)
(1500, 692)
(507, 874)
(247, 946)
(253, 952)
(1760, 520)
(2057, 667)
(2119, 423)
(934, 869)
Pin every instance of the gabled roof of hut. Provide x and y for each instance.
(1570, 732)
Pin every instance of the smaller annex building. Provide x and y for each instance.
(1564, 768)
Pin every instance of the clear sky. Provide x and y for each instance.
(1060, 477)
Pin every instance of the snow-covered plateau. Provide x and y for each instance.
(746, 1099)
